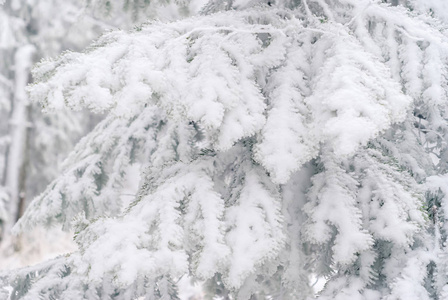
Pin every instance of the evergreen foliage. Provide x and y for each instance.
(276, 141)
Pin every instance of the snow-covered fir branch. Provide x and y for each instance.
(276, 142)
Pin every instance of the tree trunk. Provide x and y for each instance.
(15, 164)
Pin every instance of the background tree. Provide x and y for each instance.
(277, 141)
(29, 31)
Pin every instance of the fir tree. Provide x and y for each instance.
(276, 141)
